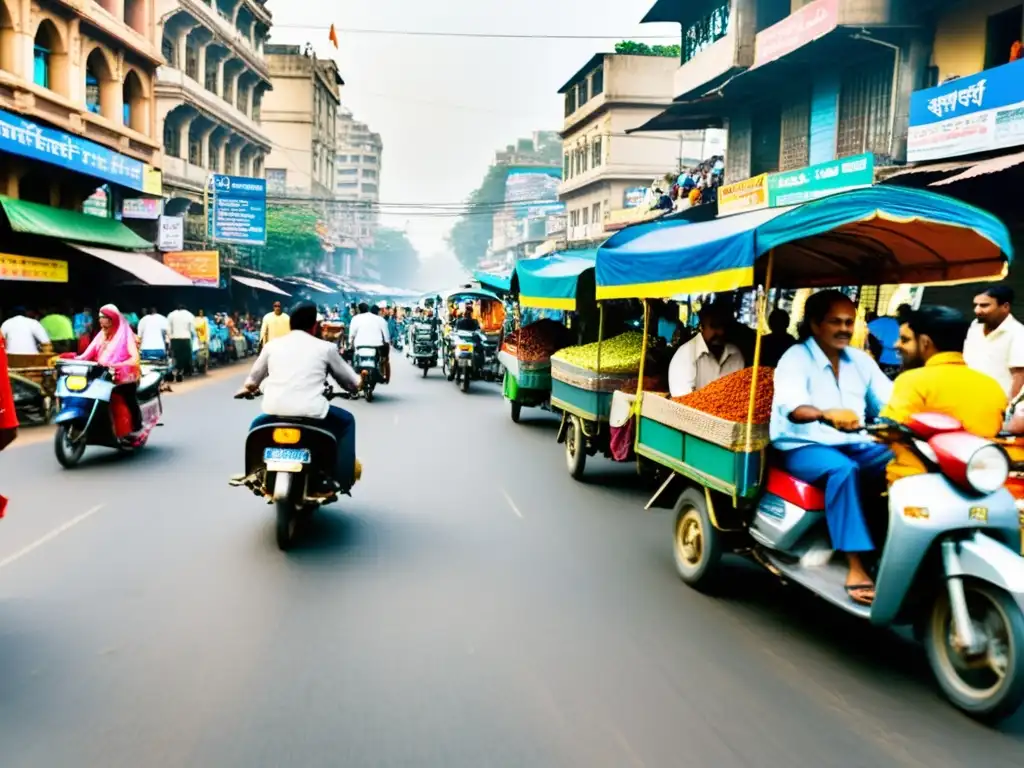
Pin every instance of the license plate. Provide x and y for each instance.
(76, 383)
(300, 455)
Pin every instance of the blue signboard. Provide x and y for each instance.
(978, 113)
(27, 139)
(239, 210)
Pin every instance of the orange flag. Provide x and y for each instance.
(333, 37)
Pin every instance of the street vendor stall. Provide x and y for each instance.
(562, 281)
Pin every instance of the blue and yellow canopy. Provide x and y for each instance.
(492, 281)
(873, 236)
(553, 281)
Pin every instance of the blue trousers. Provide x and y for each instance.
(342, 425)
(842, 469)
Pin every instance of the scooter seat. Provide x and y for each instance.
(788, 488)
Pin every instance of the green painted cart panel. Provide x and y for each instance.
(736, 473)
(595, 406)
(529, 397)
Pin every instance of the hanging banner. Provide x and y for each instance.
(821, 180)
(31, 269)
(795, 31)
(747, 195)
(201, 267)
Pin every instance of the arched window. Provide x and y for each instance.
(47, 43)
(134, 110)
(135, 15)
(167, 48)
(7, 39)
(98, 81)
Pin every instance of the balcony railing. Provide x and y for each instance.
(177, 168)
(216, 20)
(213, 104)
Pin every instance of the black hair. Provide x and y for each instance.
(302, 317)
(816, 309)
(1003, 294)
(778, 321)
(718, 310)
(375, 309)
(875, 346)
(363, 307)
(945, 326)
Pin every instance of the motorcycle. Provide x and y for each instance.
(367, 365)
(423, 347)
(490, 368)
(950, 566)
(461, 359)
(90, 412)
(290, 463)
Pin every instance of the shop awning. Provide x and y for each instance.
(873, 236)
(46, 221)
(259, 285)
(141, 265)
(992, 165)
(551, 282)
(496, 282)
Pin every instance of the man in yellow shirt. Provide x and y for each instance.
(936, 380)
(275, 325)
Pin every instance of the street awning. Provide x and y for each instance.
(982, 168)
(46, 221)
(141, 265)
(259, 285)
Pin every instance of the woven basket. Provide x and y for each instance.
(728, 434)
(591, 380)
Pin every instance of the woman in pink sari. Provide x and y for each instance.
(115, 347)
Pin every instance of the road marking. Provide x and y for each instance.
(50, 536)
(512, 504)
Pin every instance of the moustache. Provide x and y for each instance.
(844, 336)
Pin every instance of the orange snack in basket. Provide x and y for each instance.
(729, 397)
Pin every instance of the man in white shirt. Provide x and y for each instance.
(181, 326)
(995, 341)
(292, 370)
(369, 329)
(24, 335)
(707, 356)
(153, 336)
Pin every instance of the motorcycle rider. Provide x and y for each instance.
(292, 370)
(467, 322)
(937, 380)
(368, 329)
(823, 392)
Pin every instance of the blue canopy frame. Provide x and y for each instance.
(552, 282)
(873, 236)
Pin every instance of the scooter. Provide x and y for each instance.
(366, 364)
(89, 412)
(462, 358)
(423, 347)
(290, 463)
(950, 567)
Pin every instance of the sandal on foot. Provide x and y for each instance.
(855, 593)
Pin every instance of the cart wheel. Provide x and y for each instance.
(575, 448)
(697, 545)
(517, 410)
(425, 369)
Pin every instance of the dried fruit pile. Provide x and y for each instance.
(729, 397)
(536, 342)
(620, 354)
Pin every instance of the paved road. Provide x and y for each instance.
(471, 606)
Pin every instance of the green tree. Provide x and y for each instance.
(643, 49)
(396, 258)
(472, 232)
(293, 244)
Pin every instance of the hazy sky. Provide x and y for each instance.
(443, 105)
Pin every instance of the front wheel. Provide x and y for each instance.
(68, 446)
(990, 686)
(517, 411)
(697, 544)
(575, 448)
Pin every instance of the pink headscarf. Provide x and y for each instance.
(115, 346)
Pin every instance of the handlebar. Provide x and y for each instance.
(330, 394)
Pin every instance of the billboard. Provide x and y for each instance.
(239, 210)
(533, 190)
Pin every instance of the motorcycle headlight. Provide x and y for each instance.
(987, 469)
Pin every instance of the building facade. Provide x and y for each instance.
(210, 92)
(357, 174)
(77, 101)
(603, 165)
(299, 115)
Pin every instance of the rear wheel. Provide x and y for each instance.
(425, 369)
(68, 445)
(465, 381)
(369, 393)
(575, 448)
(517, 411)
(697, 544)
(989, 686)
(287, 522)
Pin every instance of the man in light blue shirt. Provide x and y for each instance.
(823, 390)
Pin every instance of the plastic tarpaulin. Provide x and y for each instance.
(148, 270)
(551, 282)
(47, 221)
(261, 285)
(873, 236)
(495, 282)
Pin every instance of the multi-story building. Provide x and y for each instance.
(299, 116)
(209, 92)
(76, 101)
(602, 164)
(357, 174)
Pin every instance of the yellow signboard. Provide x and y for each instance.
(153, 181)
(31, 269)
(746, 195)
